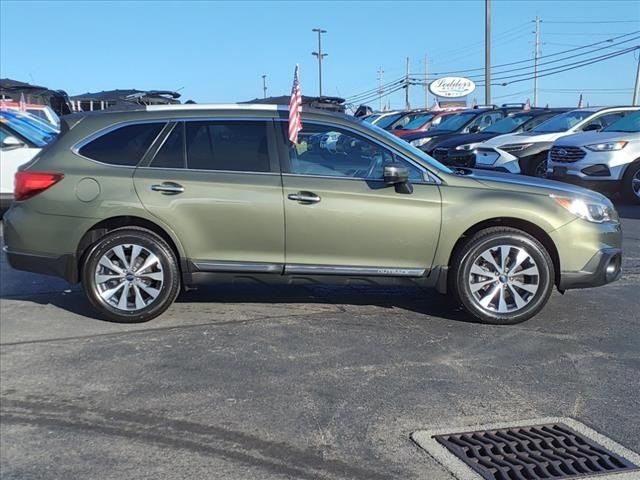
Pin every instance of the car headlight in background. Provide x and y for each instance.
(591, 211)
(468, 146)
(515, 147)
(607, 146)
(418, 142)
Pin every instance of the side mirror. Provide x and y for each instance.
(11, 142)
(592, 127)
(398, 127)
(398, 176)
(474, 129)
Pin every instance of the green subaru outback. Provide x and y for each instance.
(140, 203)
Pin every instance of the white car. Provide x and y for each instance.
(530, 149)
(19, 143)
(607, 161)
(43, 112)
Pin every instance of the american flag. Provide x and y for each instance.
(23, 104)
(580, 101)
(295, 121)
(527, 106)
(436, 106)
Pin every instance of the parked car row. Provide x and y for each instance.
(22, 136)
(534, 141)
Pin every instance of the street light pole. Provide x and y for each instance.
(320, 56)
(264, 86)
(487, 52)
(536, 56)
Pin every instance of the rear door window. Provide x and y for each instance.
(171, 154)
(227, 146)
(124, 146)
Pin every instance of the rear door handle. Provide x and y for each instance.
(304, 197)
(168, 188)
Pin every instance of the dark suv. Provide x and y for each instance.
(474, 120)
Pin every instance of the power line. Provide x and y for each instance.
(564, 58)
(544, 56)
(592, 21)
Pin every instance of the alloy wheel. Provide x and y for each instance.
(635, 184)
(504, 279)
(129, 277)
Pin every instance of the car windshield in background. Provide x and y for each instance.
(630, 124)
(417, 121)
(454, 122)
(371, 118)
(35, 135)
(508, 124)
(386, 121)
(563, 122)
(403, 145)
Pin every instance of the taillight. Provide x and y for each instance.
(29, 184)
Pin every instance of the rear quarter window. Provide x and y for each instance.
(123, 146)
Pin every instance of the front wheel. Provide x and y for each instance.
(631, 184)
(502, 276)
(130, 275)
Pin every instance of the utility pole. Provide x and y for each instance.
(487, 52)
(636, 90)
(320, 56)
(536, 56)
(426, 82)
(380, 89)
(264, 86)
(407, 106)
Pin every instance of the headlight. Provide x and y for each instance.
(607, 146)
(468, 146)
(515, 147)
(420, 141)
(590, 211)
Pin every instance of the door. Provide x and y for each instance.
(342, 218)
(217, 185)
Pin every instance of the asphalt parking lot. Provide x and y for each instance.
(242, 382)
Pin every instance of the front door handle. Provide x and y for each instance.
(168, 188)
(303, 197)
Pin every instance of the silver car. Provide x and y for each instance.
(608, 161)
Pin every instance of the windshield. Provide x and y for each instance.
(454, 122)
(563, 122)
(371, 118)
(417, 121)
(407, 147)
(35, 135)
(508, 124)
(384, 122)
(630, 124)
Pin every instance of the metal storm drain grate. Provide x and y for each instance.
(549, 451)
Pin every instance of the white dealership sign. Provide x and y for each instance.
(452, 87)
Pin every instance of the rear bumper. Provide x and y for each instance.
(6, 199)
(60, 266)
(604, 267)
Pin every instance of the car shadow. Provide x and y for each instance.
(628, 211)
(389, 299)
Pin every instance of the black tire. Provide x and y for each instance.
(472, 249)
(628, 193)
(537, 167)
(170, 273)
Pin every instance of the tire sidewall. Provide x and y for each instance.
(533, 248)
(627, 179)
(170, 285)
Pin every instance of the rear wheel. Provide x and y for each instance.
(502, 275)
(631, 183)
(130, 275)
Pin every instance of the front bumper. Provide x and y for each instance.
(495, 159)
(604, 267)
